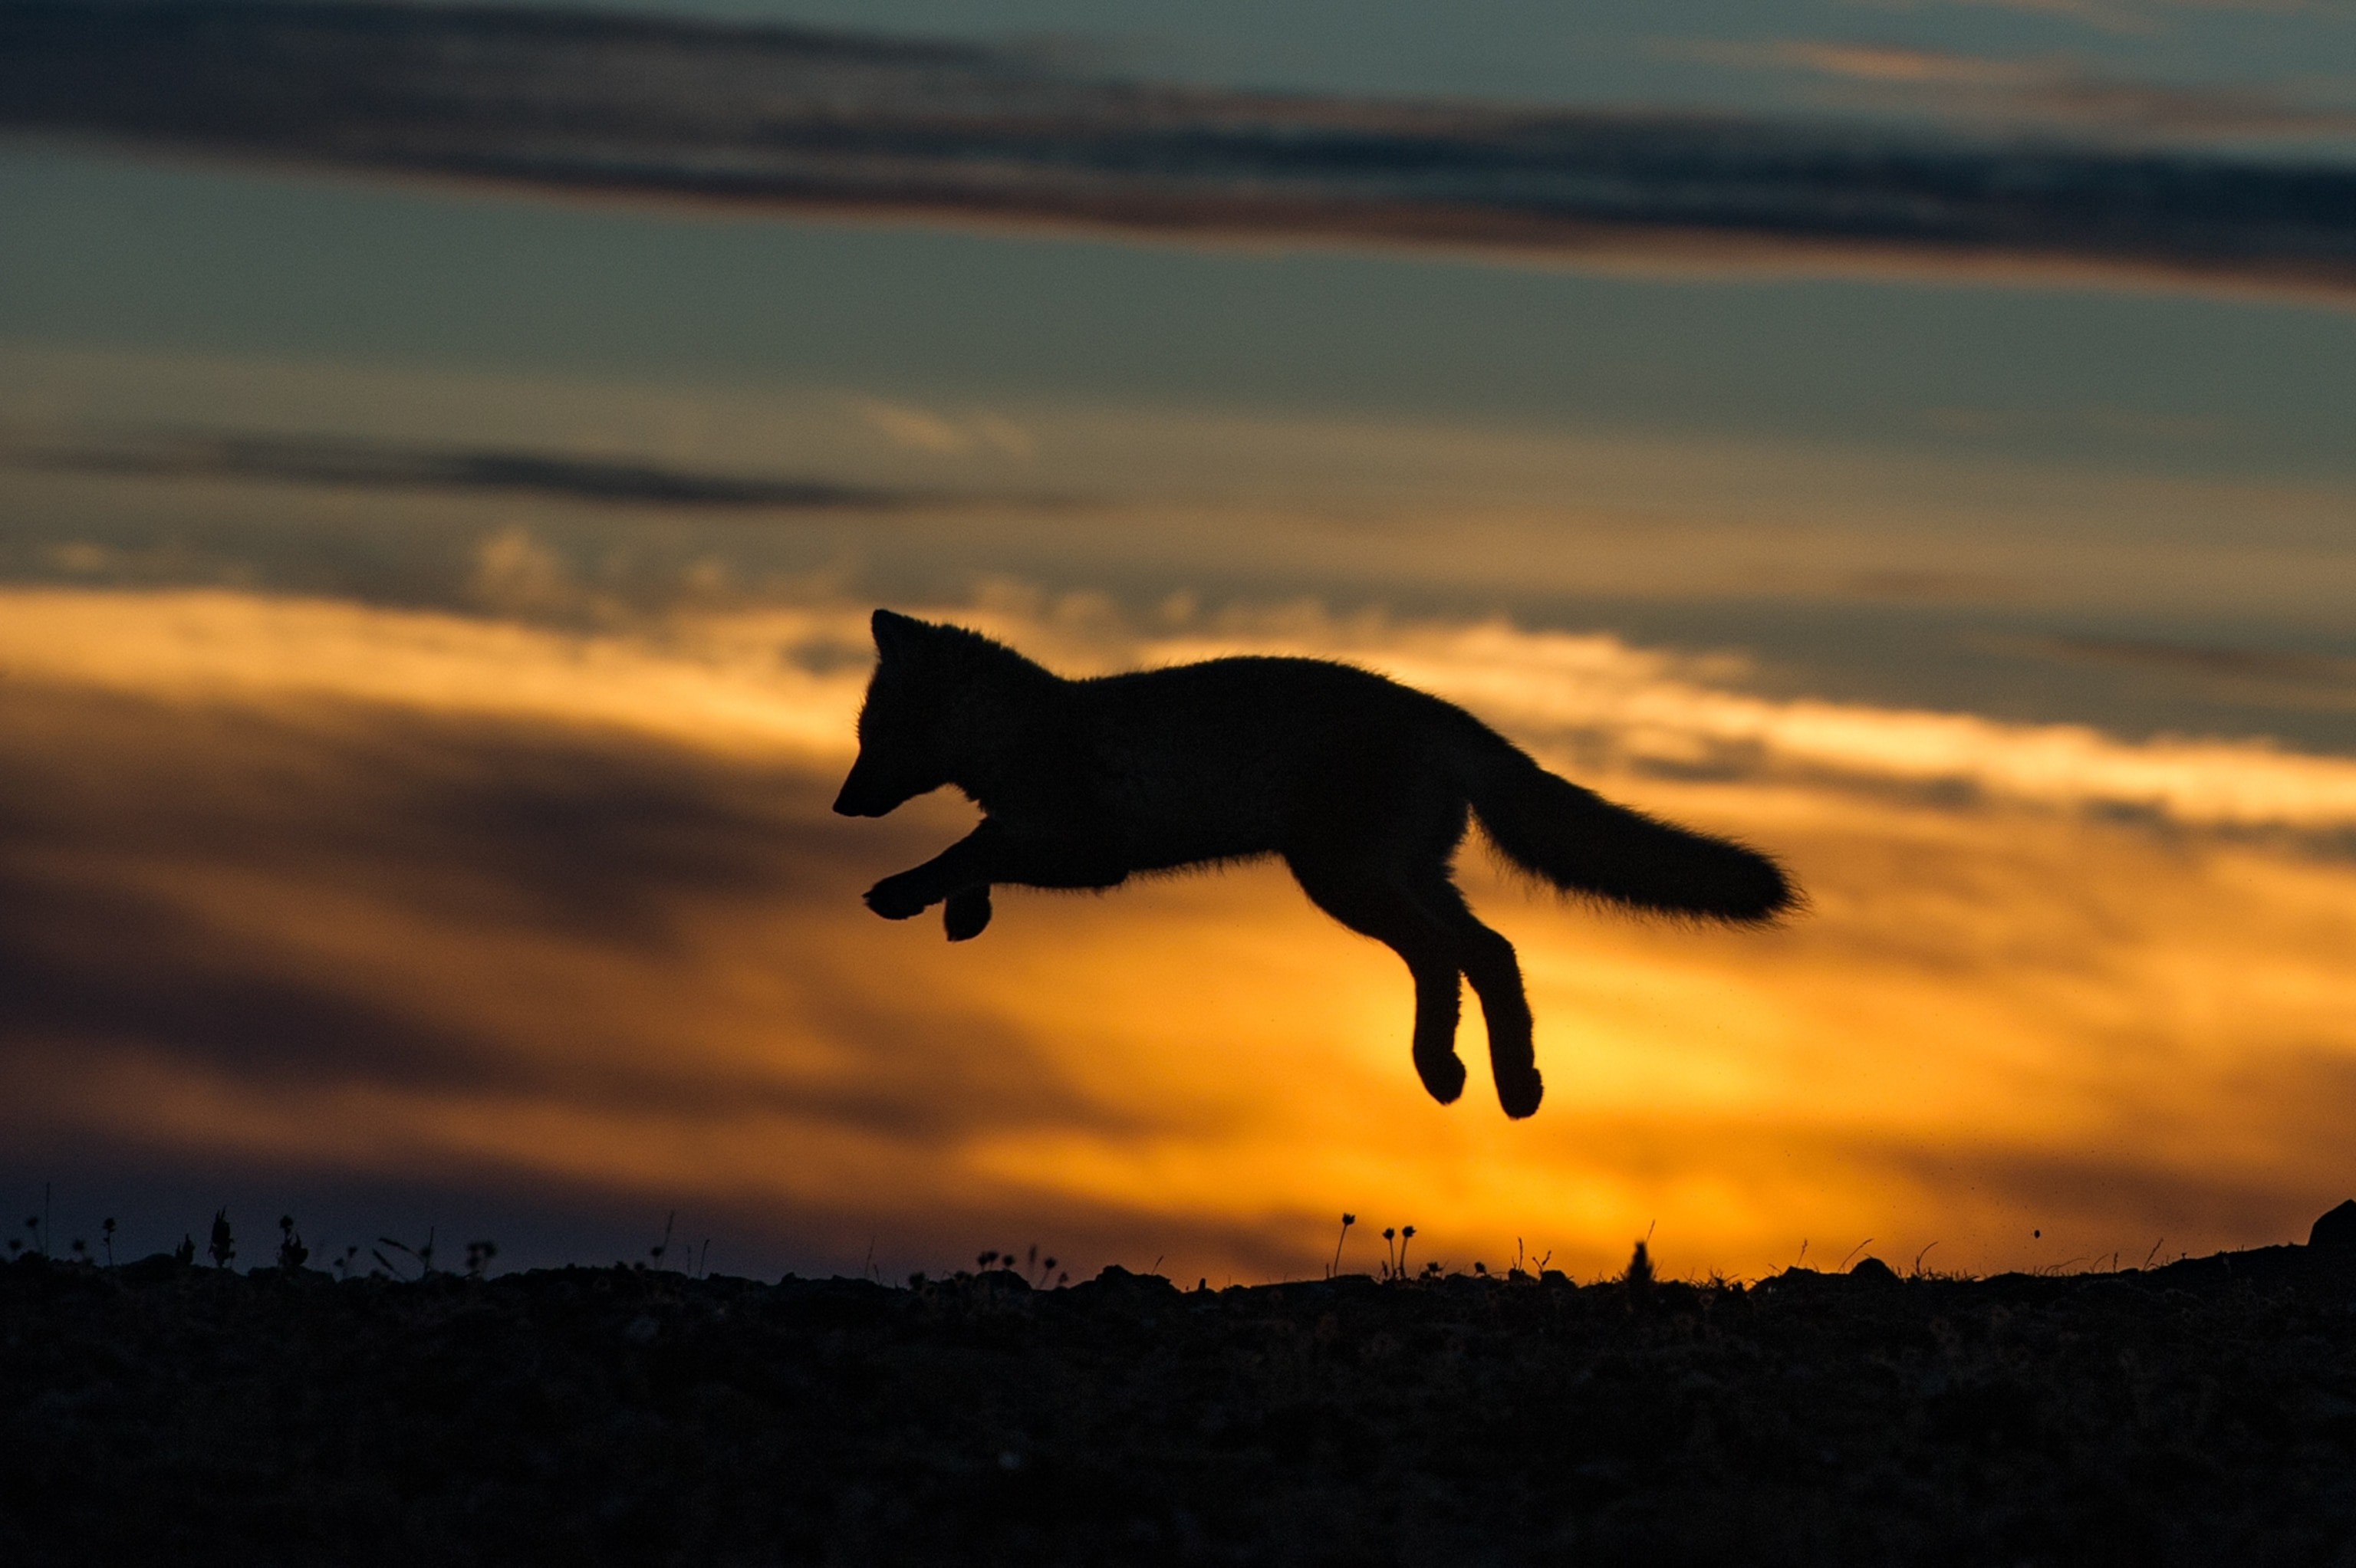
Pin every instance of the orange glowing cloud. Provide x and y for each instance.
(312, 885)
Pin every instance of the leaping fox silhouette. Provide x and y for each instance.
(1362, 785)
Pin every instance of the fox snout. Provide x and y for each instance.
(863, 793)
(857, 801)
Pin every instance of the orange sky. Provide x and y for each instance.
(417, 894)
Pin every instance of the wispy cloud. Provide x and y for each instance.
(922, 430)
(786, 117)
(2133, 17)
(342, 461)
(2047, 90)
(2126, 17)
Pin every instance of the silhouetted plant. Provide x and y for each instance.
(1335, 1266)
(292, 1253)
(422, 1256)
(1390, 1256)
(478, 1258)
(1406, 1234)
(223, 1247)
(659, 1248)
(185, 1253)
(344, 1263)
(106, 1232)
(1639, 1269)
(33, 1224)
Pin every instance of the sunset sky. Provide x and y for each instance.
(432, 616)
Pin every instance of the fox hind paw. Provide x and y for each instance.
(1443, 1076)
(966, 913)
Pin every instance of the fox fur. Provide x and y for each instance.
(1365, 788)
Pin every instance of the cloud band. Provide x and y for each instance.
(795, 118)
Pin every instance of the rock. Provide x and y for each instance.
(1117, 1280)
(1873, 1271)
(2336, 1231)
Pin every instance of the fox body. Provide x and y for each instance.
(1364, 786)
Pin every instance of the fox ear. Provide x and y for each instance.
(896, 634)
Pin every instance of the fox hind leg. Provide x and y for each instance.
(1373, 906)
(1489, 963)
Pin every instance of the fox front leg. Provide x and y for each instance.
(962, 874)
(965, 914)
(958, 875)
(910, 893)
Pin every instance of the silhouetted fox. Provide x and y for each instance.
(1362, 784)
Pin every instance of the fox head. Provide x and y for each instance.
(900, 724)
(932, 707)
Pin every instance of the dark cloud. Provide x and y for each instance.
(327, 461)
(2262, 679)
(2230, 664)
(277, 898)
(781, 116)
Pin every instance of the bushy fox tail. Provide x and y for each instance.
(1584, 844)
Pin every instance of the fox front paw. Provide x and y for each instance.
(966, 913)
(897, 898)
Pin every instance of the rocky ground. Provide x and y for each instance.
(2203, 1413)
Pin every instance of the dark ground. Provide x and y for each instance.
(2203, 1413)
